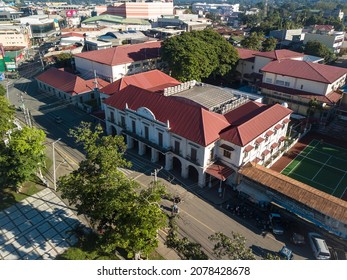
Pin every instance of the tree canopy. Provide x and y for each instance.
(128, 217)
(269, 44)
(318, 49)
(234, 247)
(7, 113)
(197, 55)
(253, 41)
(22, 156)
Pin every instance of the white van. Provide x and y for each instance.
(319, 246)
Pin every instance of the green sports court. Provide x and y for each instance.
(322, 166)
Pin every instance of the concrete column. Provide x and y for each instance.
(130, 142)
(184, 172)
(141, 148)
(202, 178)
(154, 155)
(168, 162)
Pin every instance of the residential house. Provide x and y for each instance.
(71, 88)
(187, 131)
(326, 35)
(298, 83)
(112, 64)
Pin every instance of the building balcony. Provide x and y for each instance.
(147, 141)
(192, 160)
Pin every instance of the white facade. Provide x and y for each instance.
(142, 128)
(332, 41)
(15, 37)
(302, 84)
(112, 73)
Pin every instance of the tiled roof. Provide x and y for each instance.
(330, 98)
(153, 80)
(305, 70)
(68, 82)
(305, 194)
(251, 126)
(280, 54)
(72, 34)
(123, 54)
(246, 53)
(187, 120)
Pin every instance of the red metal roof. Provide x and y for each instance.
(282, 138)
(265, 152)
(286, 121)
(251, 126)
(246, 53)
(331, 98)
(187, 120)
(278, 126)
(305, 70)
(72, 34)
(269, 133)
(248, 148)
(274, 145)
(259, 140)
(123, 54)
(280, 54)
(153, 80)
(68, 82)
(219, 170)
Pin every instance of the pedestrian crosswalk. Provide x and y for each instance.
(126, 171)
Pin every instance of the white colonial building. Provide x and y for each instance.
(199, 131)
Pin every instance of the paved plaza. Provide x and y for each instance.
(38, 227)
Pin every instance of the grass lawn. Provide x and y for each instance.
(9, 197)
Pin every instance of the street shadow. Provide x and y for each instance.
(262, 252)
(39, 227)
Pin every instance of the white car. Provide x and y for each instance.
(319, 246)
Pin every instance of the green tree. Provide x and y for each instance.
(7, 113)
(269, 44)
(253, 41)
(22, 157)
(318, 49)
(64, 59)
(197, 55)
(128, 218)
(234, 247)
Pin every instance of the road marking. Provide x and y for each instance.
(70, 158)
(212, 230)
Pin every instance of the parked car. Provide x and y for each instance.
(319, 246)
(285, 253)
(276, 223)
(297, 239)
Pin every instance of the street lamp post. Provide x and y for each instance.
(54, 175)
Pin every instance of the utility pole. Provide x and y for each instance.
(43, 65)
(54, 174)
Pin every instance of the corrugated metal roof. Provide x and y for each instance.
(280, 54)
(305, 194)
(246, 53)
(68, 82)
(123, 54)
(251, 126)
(305, 70)
(153, 80)
(186, 119)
